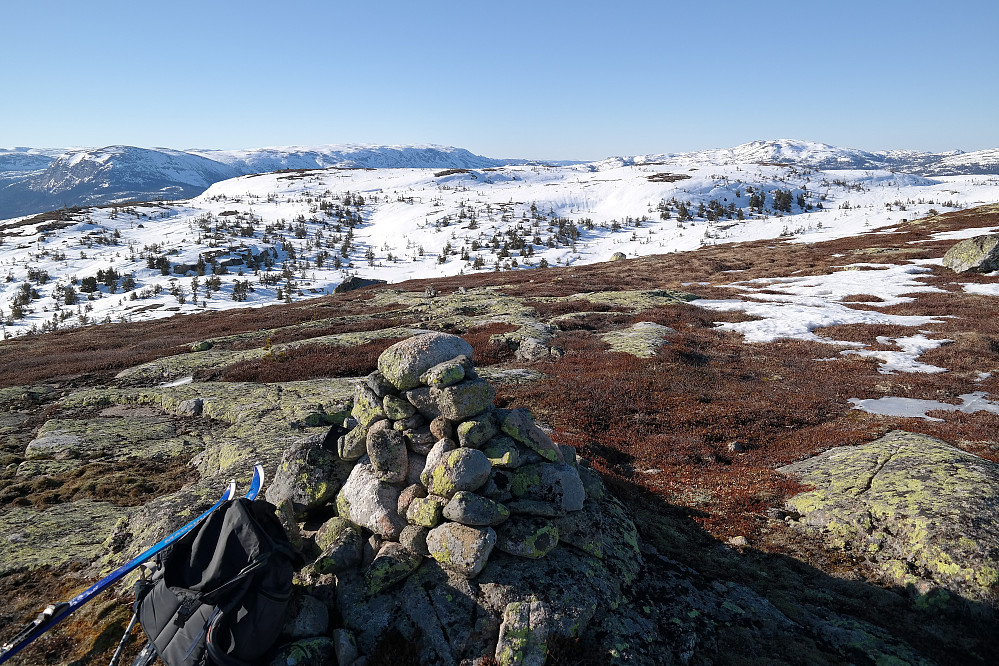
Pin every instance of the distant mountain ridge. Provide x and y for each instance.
(33, 181)
(36, 180)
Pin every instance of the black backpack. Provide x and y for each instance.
(219, 595)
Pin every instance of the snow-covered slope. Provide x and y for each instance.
(260, 239)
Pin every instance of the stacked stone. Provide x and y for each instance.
(440, 472)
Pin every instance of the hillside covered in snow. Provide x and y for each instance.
(35, 181)
(293, 234)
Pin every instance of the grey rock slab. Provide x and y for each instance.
(923, 512)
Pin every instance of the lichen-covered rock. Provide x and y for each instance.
(476, 431)
(407, 496)
(584, 529)
(460, 469)
(306, 616)
(191, 407)
(367, 406)
(523, 636)
(425, 511)
(203, 345)
(592, 483)
(353, 445)
(442, 428)
(558, 483)
(309, 475)
(317, 651)
(285, 512)
(519, 424)
(342, 546)
(424, 401)
(368, 501)
(378, 384)
(471, 509)
(397, 408)
(533, 349)
(526, 537)
(393, 563)
(979, 254)
(410, 422)
(502, 452)
(461, 548)
(535, 508)
(403, 363)
(419, 440)
(464, 400)
(920, 509)
(387, 450)
(642, 339)
(414, 537)
(434, 458)
(345, 646)
(446, 373)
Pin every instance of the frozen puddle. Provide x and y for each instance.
(909, 407)
(178, 382)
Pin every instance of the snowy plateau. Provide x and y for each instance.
(319, 216)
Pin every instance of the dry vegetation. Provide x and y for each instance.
(689, 438)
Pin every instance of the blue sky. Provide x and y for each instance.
(542, 79)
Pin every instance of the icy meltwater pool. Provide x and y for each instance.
(910, 407)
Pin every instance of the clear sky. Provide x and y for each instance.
(511, 78)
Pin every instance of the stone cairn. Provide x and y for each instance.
(429, 468)
(441, 472)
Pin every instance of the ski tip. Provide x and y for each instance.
(230, 491)
(258, 482)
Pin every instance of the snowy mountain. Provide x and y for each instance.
(824, 156)
(287, 235)
(34, 181)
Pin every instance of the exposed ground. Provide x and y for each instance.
(689, 436)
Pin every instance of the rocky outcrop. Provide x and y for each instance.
(921, 511)
(978, 255)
